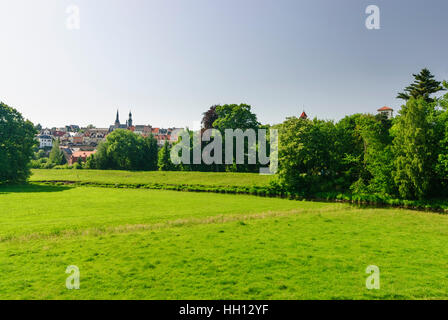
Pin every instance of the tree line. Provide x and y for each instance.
(404, 157)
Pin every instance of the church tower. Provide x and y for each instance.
(117, 121)
(130, 119)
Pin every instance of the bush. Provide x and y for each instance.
(77, 166)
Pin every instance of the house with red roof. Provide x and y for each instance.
(83, 155)
(388, 112)
(303, 116)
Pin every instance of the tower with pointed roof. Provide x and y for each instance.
(117, 120)
(304, 115)
(130, 120)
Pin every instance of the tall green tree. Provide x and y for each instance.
(442, 158)
(350, 148)
(415, 149)
(56, 156)
(308, 158)
(424, 86)
(150, 154)
(16, 145)
(234, 116)
(377, 154)
(164, 161)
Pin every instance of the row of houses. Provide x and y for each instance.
(79, 143)
(92, 137)
(84, 137)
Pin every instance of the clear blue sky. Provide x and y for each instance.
(169, 60)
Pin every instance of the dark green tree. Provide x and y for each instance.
(233, 116)
(424, 86)
(150, 154)
(164, 161)
(16, 145)
(209, 117)
(38, 127)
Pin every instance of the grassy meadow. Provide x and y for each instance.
(221, 179)
(158, 244)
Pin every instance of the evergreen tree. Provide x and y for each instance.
(423, 86)
(164, 161)
(56, 156)
(38, 127)
(150, 154)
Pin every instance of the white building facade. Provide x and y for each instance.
(45, 141)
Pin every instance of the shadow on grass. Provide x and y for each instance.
(31, 188)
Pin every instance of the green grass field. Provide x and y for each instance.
(152, 177)
(154, 244)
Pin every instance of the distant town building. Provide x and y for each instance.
(118, 125)
(143, 130)
(45, 141)
(303, 115)
(388, 112)
(77, 156)
(129, 121)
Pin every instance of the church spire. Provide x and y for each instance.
(130, 119)
(117, 120)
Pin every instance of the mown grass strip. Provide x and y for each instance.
(178, 223)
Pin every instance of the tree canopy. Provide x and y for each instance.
(233, 116)
(126, 150)
(16, 145)
(423, 86)
(209, 117)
